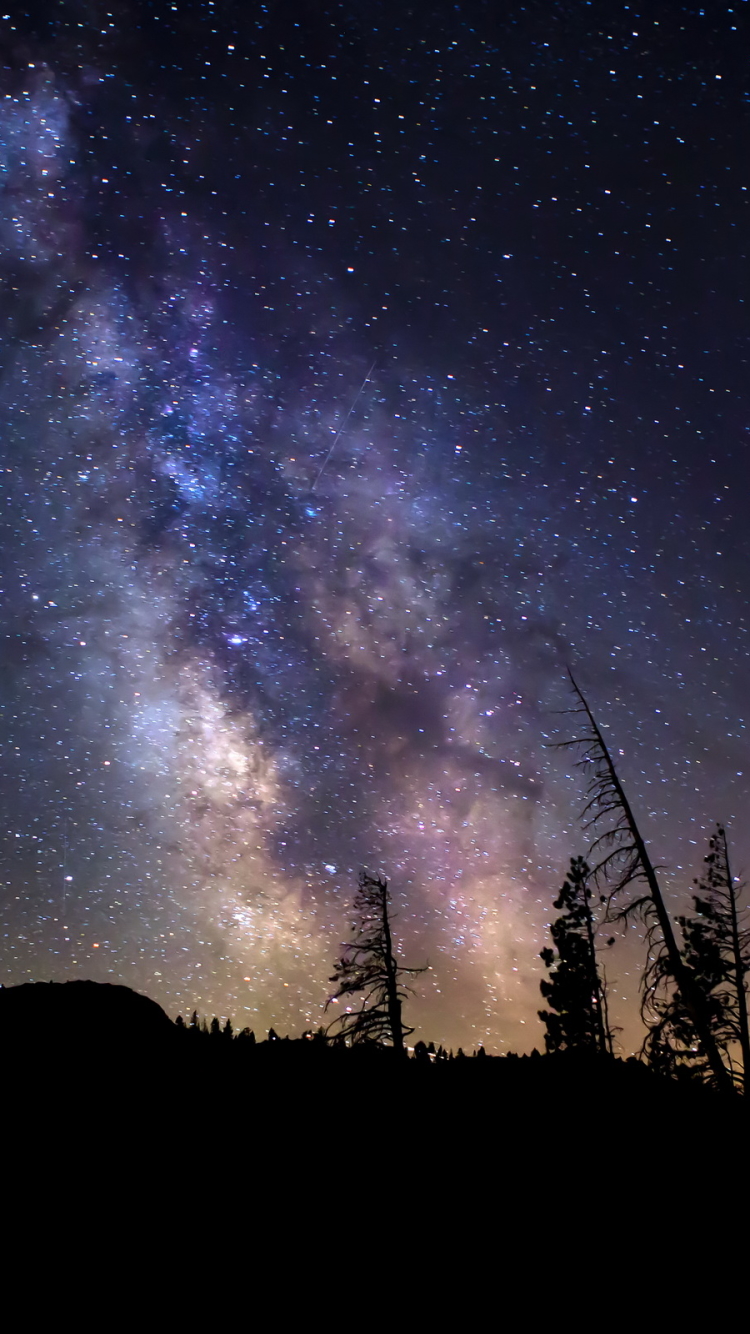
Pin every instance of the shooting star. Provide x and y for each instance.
(342, 427)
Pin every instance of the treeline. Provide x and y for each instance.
(215, 1031)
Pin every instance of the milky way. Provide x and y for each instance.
(360, 372)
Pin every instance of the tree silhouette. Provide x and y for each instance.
(578, 1017)
(624, 865)
(717, 951)
(369, 965)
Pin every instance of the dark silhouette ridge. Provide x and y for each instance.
(113, 1027)
(92, 1072)
(132, 1118)
(61, 1015)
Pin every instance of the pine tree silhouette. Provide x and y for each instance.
(716, 949)
(578, 1017)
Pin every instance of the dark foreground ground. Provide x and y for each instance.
(135, 1152)
(109, 1057)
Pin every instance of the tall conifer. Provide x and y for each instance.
(716, 949)
(578, 1017)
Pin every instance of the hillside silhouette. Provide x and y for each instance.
(119, 1117)
(50, 1017)
(83, 1035)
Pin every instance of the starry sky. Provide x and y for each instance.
(362, 366)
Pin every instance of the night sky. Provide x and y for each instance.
(363, 365)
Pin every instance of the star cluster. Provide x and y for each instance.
(360, 371)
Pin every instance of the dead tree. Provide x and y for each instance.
(621, 862)
(369, 965)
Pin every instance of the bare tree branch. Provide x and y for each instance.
(628, 864)
(369, 965)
